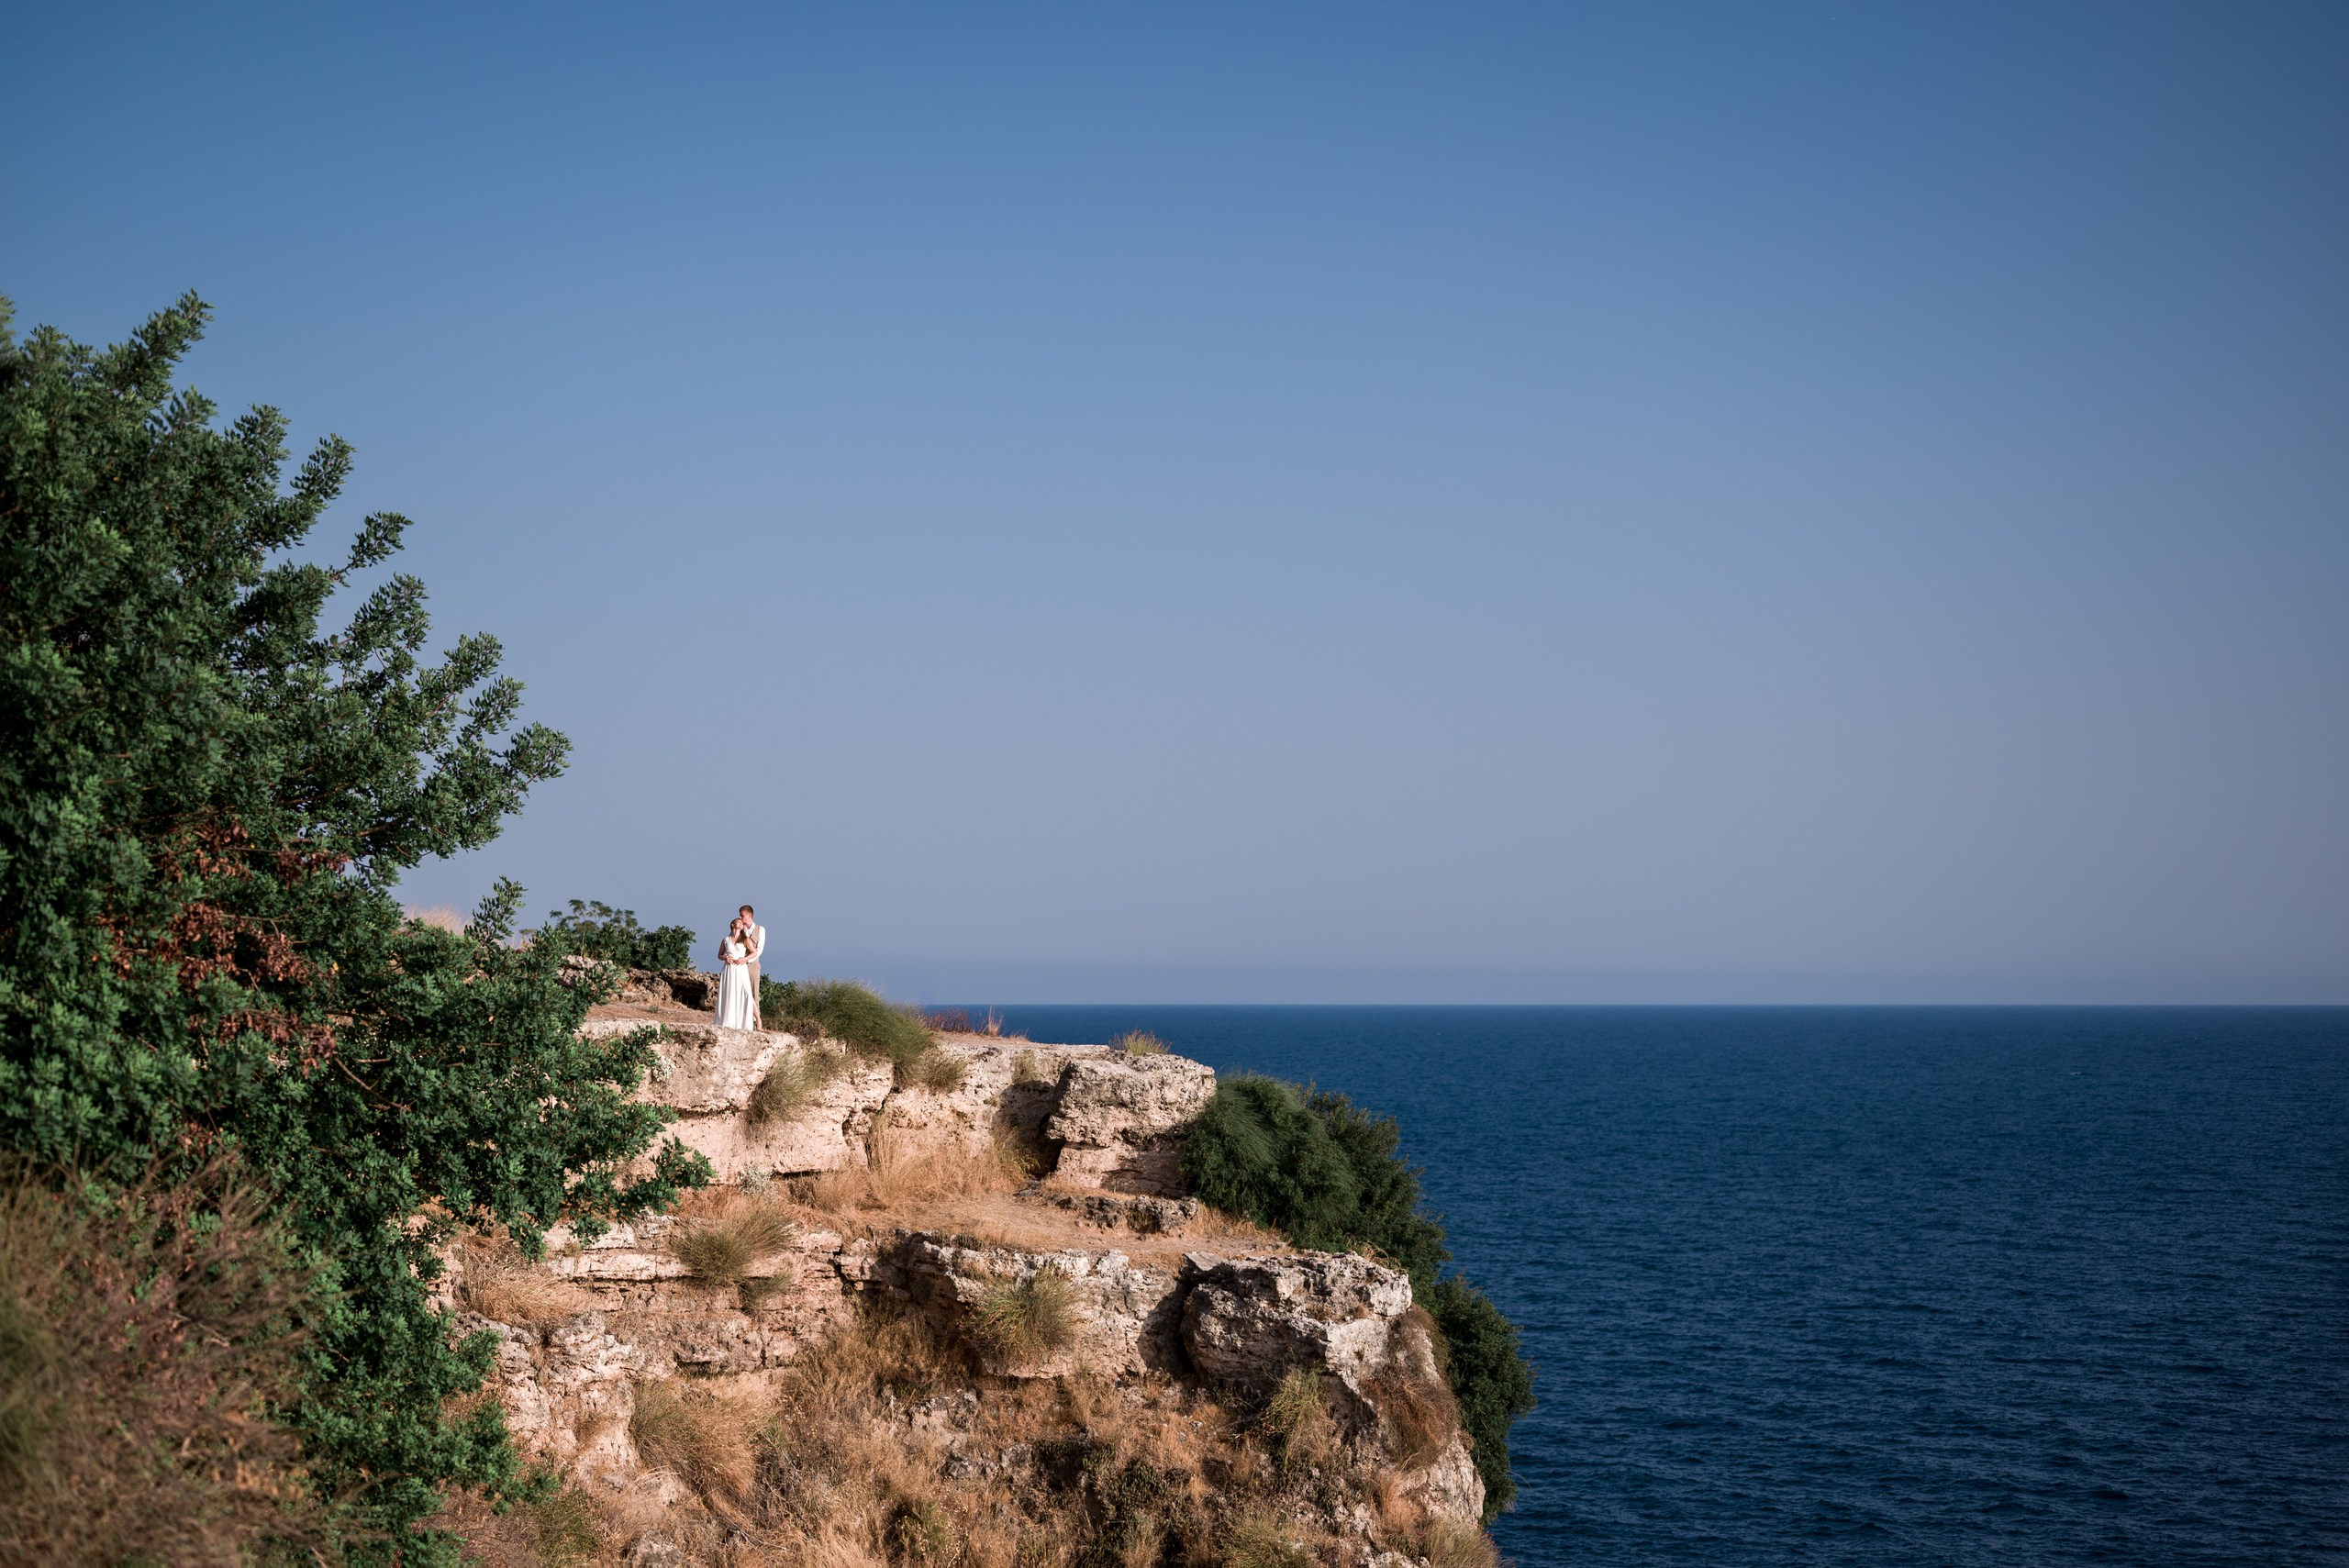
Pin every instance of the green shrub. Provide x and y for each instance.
(1316, 1168)
(843, 1011)
(1326, 1174)
(1139, 1042)
(598, 930)
(1026, 1319)
(1490, 1378)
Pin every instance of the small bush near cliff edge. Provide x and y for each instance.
(1489, 1377)
(851, 1014)
(1139, 1042)
(1026, 1319)
(597, 930)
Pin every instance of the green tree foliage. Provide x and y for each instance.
(205, 801)
(1327, 1174)
(598, 930)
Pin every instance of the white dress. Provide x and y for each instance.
(738, 1005)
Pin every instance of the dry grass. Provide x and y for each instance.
(934, 1069)
(1215, 1225)
(1305, 1435)
(721, 1247)
(1139, 1042)
(1027, 1068)
(893, 1178)
(1416, 1407)
(1255, 1539)
(1451, 1544)
(959, 1021)
(567, 1531)
(792, 1082)
(1026, 1320)
(505, 1286)
(141, 1339)
(707, 1439)
(832, 1474)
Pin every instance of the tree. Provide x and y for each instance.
(205, 803)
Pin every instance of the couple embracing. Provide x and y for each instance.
(738, 972)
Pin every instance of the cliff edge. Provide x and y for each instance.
(964, 1314)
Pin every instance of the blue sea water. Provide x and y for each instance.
(1898, 1285)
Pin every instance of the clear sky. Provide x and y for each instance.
(1649, 503)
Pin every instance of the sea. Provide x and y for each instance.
(1879, 1286)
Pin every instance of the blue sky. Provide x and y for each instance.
(1655, 503)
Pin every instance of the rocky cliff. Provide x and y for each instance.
(972, 1318)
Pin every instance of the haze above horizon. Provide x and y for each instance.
(1321, 504)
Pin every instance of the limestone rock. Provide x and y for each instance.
(1143, 1215)
(704, 1070)
(828, 1133)
(1126, 1317)
(1119, 1120)
(1449, 1486)
(1249, 1321)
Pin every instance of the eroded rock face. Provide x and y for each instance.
(1125, 1318)
(1249, 1322)
(1119, 1120)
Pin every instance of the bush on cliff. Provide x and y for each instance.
(1327, 1174)
(206, 799)
(843, 1011)
(595, 929)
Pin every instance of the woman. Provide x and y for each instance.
(738, 996)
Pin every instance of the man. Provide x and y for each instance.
(755, 938)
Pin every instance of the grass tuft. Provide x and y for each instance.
(1451, 1544)
(1139, 1042)
(1027, 1068)
(921, 1531)
(721, 1251)
(709, 1442)
(933, 1070)
(1416, 1407)
(791, 1081)
(1026, 1319)
(1258, 1541)
(1303, 1433)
